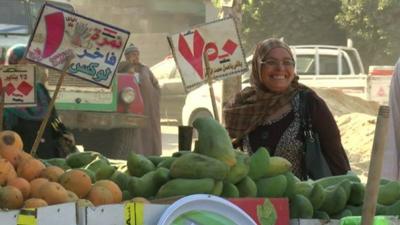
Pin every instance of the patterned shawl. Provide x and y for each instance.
(249, 108)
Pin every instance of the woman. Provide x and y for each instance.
(267, 113)
(56, 141)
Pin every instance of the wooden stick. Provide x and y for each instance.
(50, 108)
(375, 167)
(209, 75)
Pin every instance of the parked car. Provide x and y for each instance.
(173, 93)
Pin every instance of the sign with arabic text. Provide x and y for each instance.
(220, 41)
(18, 83)
(95, 46)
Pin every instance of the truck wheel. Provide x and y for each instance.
(198, 114)
(115, 143)
(124, 141)
(93, 140)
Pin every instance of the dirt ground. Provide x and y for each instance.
(356, 119)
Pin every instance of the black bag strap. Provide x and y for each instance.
(305, 117)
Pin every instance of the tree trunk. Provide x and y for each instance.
(232, 85)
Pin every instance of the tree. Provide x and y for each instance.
(297, 21)
(230, 8)
(371, 25)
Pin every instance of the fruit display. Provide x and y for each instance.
(29, 182)
(213, 167)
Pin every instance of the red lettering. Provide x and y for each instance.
(214, 51)
(193, 58)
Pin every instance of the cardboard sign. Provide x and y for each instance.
(18, 82)
(220, 41)
(96, 46)
(131, 213)
(59, 214)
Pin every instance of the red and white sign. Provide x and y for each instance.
(379, 88)
(97, 47)
(220, 41)
(18, 83)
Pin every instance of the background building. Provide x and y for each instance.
(149, 21)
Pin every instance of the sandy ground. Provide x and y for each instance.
(169, 140)
(356, 119)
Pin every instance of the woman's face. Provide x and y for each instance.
(12, 59)
(277, 70)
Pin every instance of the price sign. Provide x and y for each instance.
(27, 217)
(134, 213)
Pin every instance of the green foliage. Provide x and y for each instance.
(298, 21)
(217, 3)
(371, 25)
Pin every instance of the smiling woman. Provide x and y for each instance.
(267, 114)
(277, 71)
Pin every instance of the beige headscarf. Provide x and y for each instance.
(255, 104)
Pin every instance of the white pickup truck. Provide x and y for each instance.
(319, 66)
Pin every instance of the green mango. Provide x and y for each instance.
(272, 186)
(241, 169)
(229, 190)
(148, 185)
(184, 187)
(247, 188)
(259, 163)
(81, 159)
(213, 140)
(196, 166)
(139, 165)
(101, 169)
(300, 207)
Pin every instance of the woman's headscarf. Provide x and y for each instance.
(253, 105)
(15, 53)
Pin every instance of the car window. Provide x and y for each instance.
(175, 74)
(354, 60)
(345, 66)
(164, 70)
(305, 64)
(329, 65)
